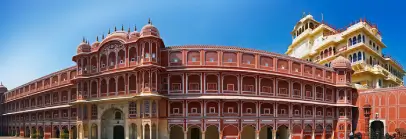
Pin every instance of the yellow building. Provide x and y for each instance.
(361, 43)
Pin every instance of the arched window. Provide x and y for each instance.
(363, 38)
(359, 56)
(349, 42)
(354, 57)
(359, 38)
(354, 40)
(117, 115)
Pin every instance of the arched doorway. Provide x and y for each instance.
(27, 132)
(147, 132)
(248, 132)
(176, 132)
(93, 132)
(282, 132)
(74, 132)
(65, 133)
(212, 132)
(112, 124)
(56, 132)
(133, 131)
(41, 132)
(33, 132)
(377, 130)
(266, 132)
(194, 133)
(118, 132)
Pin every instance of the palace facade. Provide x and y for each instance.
(131, 85)
(361, 42)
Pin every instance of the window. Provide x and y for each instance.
(249, 88)
(248, 62)
(211, 86)
(230, 87)
(117, 115)
(193, 59)
(267, 111)
(175, 60)
(211, 59)
(266, 89)
(133, 108)
(249, 110)
(282, 91)
(146, 55)
(230, 110)
(153, 55)
(194, 110)
(103, 65)
(175, 110)
(297, 112)
(282, 111)
(266, 64)
(212, 110)
(308, 112)
(133, 59)
(121, 61)
(296, 92)
(193, 86)
(94, 112)
(176, 86)
(230, 60)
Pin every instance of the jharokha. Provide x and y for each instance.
(130, 85)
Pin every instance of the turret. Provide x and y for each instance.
(343, 68)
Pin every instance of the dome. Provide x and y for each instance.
(134, 34)
(116, 35)
(95, 44)
(341, 62)
(2, 88)
(149, 29)
(83, 48)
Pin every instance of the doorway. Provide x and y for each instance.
(118, 132)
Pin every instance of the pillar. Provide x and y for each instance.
(324, 134)
(99, 129)
(143, 131)
(203, 134)
(273, 134)
(257, 134)
(126, 130)
(367, 113)
(185, 134)
(313, 135)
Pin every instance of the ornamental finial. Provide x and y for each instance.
(149, 21)
(1, 83)
(102, 36)
(128, 29)
(135, 27)
(83, 39)
(97, 38)
(304, 14)
(115, 28)
(122, 27)
(109, 31)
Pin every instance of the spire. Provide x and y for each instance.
(135, 27)
(122, 27)
(83, 40)
(149, 21)
(1, 83)
(115, 28)
(304, 14)
(97, 38)
(128, 29)
(109, 31)
(103, 36)
(322, 17)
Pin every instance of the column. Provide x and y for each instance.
(203, 134)
(99, 129)
(313, 136)
(143, 131)
(185, 134)
(126, 130)
(324, 134)
(290, 133)
(257, 134)
(273, 134)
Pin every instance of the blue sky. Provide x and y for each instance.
(40, 37)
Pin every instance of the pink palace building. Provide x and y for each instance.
(130, 85)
